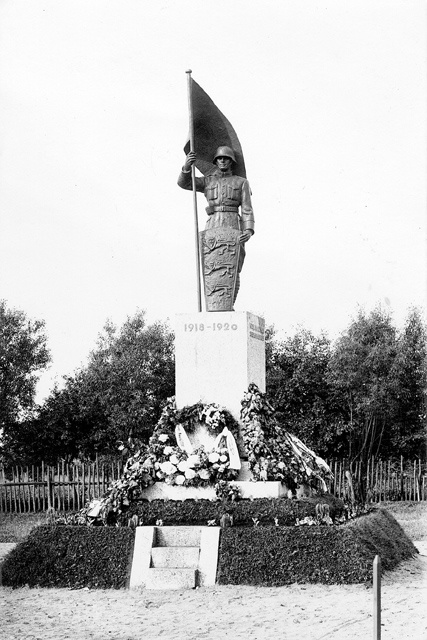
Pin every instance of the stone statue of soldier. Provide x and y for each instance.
(225, 193)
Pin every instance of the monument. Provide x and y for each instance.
(219, 352)
(219, 428)
(216, 430)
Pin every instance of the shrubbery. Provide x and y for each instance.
(71, 556)
(270, 552)
(273, 556)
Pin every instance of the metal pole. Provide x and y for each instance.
(193, 180)
(377, 598)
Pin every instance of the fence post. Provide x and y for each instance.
(50, 504)
(377, 597)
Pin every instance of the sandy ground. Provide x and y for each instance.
(303, 612)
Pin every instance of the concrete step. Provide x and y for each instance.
(177, 537)
(170, 578)
(175, 557)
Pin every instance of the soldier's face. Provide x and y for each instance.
(224, 163)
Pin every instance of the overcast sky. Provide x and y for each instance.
(328, 100)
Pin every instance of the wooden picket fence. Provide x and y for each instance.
(381, 480)
(68, 487)
(64, 487)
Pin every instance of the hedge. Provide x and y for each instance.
(268, 555)
(198, 512)
(71, 556)
(274, 556)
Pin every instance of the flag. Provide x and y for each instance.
(212, 130)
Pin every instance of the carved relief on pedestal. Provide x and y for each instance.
(220, 258)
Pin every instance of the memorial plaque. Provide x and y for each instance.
(220, 258)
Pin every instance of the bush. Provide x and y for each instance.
(100, 557)
(274, 556)
(72, 557)
(198, 512)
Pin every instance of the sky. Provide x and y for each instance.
(328, 100)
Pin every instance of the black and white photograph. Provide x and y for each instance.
(213, 319)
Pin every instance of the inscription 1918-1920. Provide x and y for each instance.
(215, 326)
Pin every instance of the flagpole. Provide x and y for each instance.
(193, 180)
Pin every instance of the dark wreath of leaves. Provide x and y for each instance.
(270, 452)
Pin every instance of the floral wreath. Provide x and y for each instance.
(273, 453)
(169, 456)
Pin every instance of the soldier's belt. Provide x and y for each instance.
(221, 207)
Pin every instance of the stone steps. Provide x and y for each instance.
(175, 557)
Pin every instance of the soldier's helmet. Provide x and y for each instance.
(224, 152)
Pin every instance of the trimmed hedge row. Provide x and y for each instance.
(198, 512)
(274, 556)
(71, 556)
(100, 557)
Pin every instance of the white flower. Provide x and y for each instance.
(174, 459)
(204, 474)
(183, 465)
(193, 460)
(167, 450)
(179, 479)
(223, 458)
(190, 474)
(163, 437)
(213, 457)
(168, 468)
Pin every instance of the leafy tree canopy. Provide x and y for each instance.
(23, 356)
(118, 395)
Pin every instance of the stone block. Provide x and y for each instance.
(175, 557)
(144, 538)
(261, 489)
(177, 537)
(163, 491)
(171, 579)
(217, 355)
(208, 561)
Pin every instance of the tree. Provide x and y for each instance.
(360, 373)
(297, 385)
(409, 385)
(23, 356)
(118, 395)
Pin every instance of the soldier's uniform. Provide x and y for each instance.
(225, 193)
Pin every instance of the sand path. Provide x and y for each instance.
(296, 612)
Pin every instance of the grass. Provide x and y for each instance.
(15, 527)
(412, 517)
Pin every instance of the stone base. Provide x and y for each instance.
(163, 491)
(261, 489)
(248, 488)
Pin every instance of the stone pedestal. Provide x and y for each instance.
(217, 356)
(248, 490)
